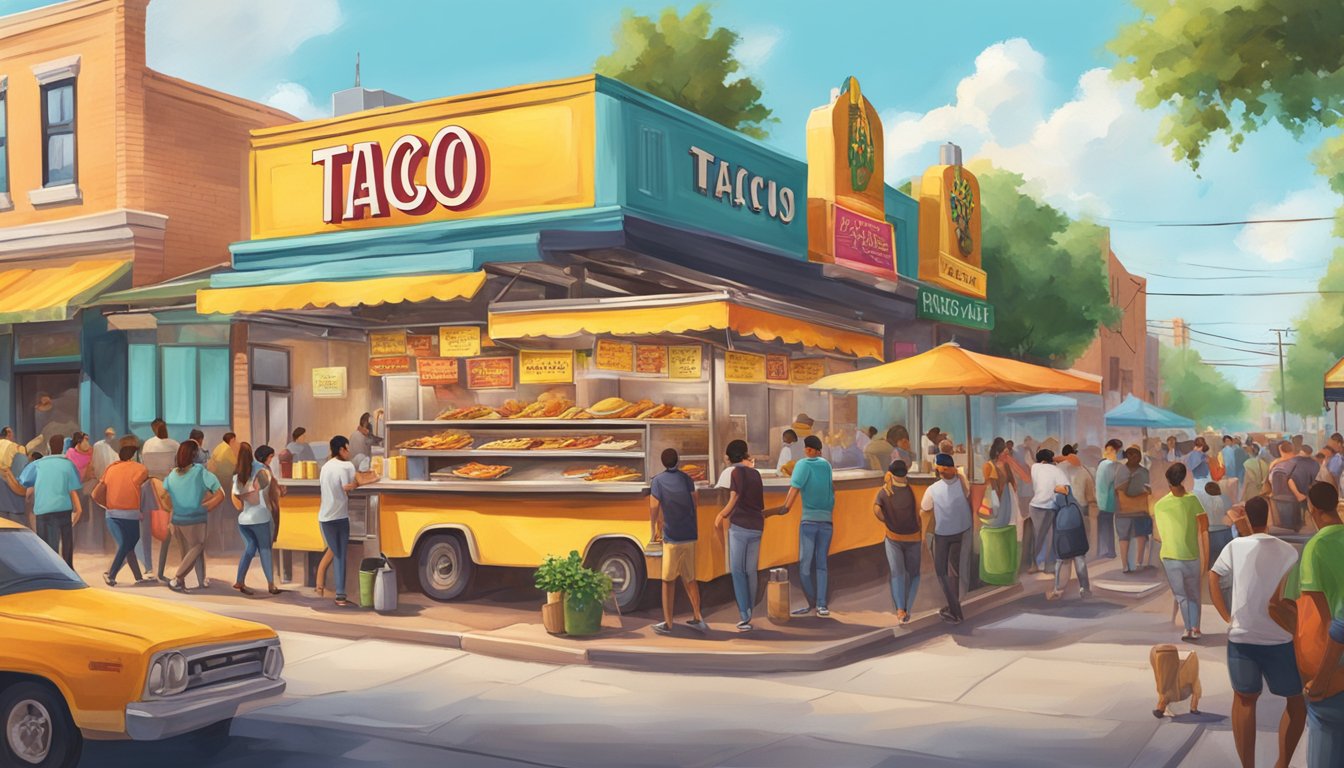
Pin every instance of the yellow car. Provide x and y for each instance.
(80, 663)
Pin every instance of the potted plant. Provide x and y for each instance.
(584, 597)
(554, 577)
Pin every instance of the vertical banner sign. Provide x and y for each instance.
(383, 366)
(650, 358)
(684, 362)
(546, 366)
(329, 382)
(436, 371)
(459, 341)
(420, 345)
(611, 355)
(490, 373)
(776, 367)
(744, 367)
(387, 343)
(806, 371)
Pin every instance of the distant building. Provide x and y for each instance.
(1124, 358)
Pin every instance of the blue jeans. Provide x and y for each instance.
(1183, 576)
(903, 557)
(744, 552)
(257, 539)
(1325, 737)
(126, 533)
(336, 534)
(814, 544)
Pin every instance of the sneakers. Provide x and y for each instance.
(905, 617)
(823, 611)
(661, 628)
(177, 586)
(946, 615)
(801, 611)
(744, 625)
(108, 580)
(1084, 594)
(698, 625)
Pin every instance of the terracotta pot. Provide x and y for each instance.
(553, 618)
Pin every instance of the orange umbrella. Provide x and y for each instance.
(950, 370)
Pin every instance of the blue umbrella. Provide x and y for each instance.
(1134, 412)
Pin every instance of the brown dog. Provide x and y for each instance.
(1177, 678)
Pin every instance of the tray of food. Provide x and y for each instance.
(619, 408)
(478, 471)
(448, 440)
(608, 473)
(469, 413)
(695, 471)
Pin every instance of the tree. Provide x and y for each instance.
(1197, 390)
(680, 59)
(1230, 68)
(1048, 279)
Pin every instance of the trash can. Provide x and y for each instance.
(385, 588)
(777, 596)
(368, 574)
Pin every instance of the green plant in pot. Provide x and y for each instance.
(583, 601)
(555, 576)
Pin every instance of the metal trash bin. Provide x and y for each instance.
(385, 588)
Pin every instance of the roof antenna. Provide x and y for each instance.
(356, 69)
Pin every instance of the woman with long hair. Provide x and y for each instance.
(192, 492)
(895, 506)
(998, 472)
(251, 486)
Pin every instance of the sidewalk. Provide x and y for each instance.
(507, 622)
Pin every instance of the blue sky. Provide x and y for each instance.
(1022, 83)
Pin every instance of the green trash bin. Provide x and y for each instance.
(998, 555)
(368, 574)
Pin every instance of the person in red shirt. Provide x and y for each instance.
(119, 493)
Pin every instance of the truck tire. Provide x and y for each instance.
(445, 567)
(623, 563)
(38, 729)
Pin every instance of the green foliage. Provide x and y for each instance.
(1197, 390)
(1048, 279)
(1318, 344)
(556, 573)
(680, 59)
(1232, 66)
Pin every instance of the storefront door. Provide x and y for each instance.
(48, 404)
(271, 396)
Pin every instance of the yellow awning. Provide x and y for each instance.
(951, 370)
(1335, 376)
(680, 316)
(348, 293)
(48, 293)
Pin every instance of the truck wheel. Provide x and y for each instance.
(623, 563)
(445, 567)
(38, 728)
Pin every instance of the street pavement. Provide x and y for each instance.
(1034, 683)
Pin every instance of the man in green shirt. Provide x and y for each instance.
(1183, 530)
(1322, 572)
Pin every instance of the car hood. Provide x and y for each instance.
(142, 623)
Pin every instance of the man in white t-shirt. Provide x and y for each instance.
(337, 480)
(1047, 479)
(1258, 648)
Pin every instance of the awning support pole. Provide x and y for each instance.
(970, 444)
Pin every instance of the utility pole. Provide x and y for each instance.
(1283, 388)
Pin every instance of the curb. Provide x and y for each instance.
(644, 658)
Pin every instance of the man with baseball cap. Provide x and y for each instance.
(950, 501)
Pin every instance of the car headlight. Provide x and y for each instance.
(274, 663)
(168, 675)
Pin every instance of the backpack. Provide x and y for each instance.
(901, 519)
(1070, 527)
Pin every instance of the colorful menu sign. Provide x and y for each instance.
(387, 343)
(806, 371)
(650, 358)
(420, 344)
(384, 366)
(743, 367)
(945, 307)
(864, 243)
(776, 367)
(490, 373)
(437, 370)
(459, 341)
(612, 355)
(546, 366)
(329, 382)
(684, 362)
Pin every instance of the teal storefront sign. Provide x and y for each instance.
(945, 307)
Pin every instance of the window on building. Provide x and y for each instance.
(58, 133)
(4, 138)
(1113, 380)
(191, 389)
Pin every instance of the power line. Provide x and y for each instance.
(1322, 265)
(1262, 276)
(1259, 294)
(1235, 223)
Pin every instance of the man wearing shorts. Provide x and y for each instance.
(672, 518)
(1132, 520)
(1258, 649)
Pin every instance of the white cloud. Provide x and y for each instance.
(233, 45)
(296, 100)
(1309, 242)
(755, 46)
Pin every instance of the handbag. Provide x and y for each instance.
(159, 521)
(989, 505)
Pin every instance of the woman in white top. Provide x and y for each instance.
(251, 486)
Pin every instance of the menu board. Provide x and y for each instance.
(650, 358)
(459, 341)
(743, 367)
(612, 355)
(546, 366)
(437, 370)
(383, 366)
(806, 371)
(777, 367)
(490, 373)
(420, 345)
(329, 382)
(684, 362)
(387, 343)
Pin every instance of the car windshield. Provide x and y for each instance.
(27, 564)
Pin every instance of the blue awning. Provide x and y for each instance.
(1039, 404)
(1134, 412)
